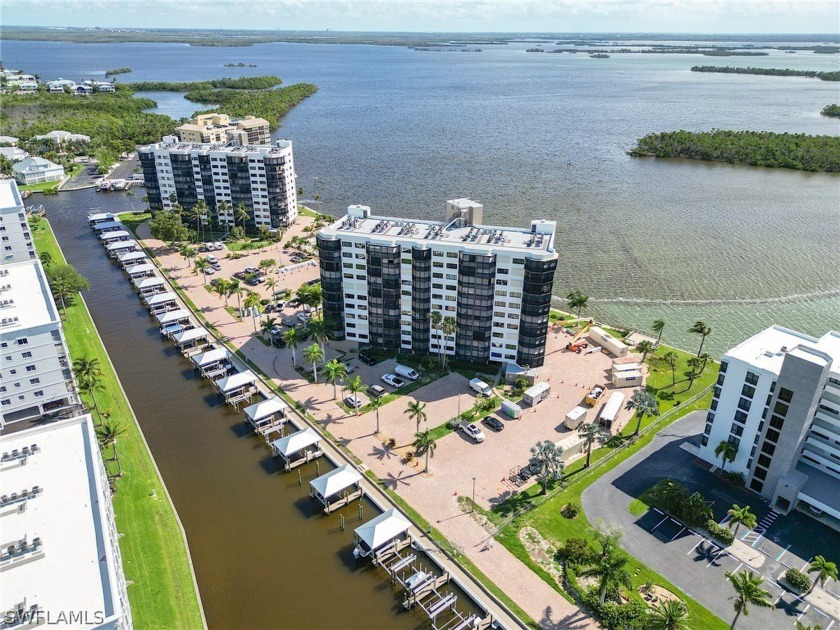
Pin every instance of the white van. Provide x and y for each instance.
(406, 372)
(212, 259)
(479, 386)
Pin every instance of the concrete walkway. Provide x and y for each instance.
(440, 508)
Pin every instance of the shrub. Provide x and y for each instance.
(570, 510)
(452, 424)
(723, 534)
(797, 579)
(734, 477)
(576, 551)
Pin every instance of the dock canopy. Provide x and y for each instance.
(235, 381)
(298, 441)
(379, 531)
(160, 299)
(171, 317)
(115, 247)
(211, 357)
(265, 409)
(132, 258)
(99, 217)
(188, 336)
(335, 481)
(141, 270)
(144, 284)
(116, 235)
(107, 225)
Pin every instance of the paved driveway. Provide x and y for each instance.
(687, 559)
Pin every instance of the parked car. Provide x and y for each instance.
(215, 281)
(376, 391)
(393, 380)
(278, 342)
(479, 386)
(493, 422)
(268, 308)
(276, 330)
(352, 401)
(216, 266)
(313, 282)
(815, 510)
(367, 359)
(203, 248)
(239, 275)
(288, 321)
(218, 245)
(212, 259)
(302, 318)
(473, 432)
(251, 270)
(210, 270)
(406, 372)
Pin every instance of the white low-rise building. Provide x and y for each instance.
(13, 154)
(15, 236)
(36, 170)
(60, 561)
(35, 369)
(60, 136)
(777, 401)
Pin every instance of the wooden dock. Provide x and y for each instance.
(334, 505)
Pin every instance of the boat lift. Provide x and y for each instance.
(237, 387)
(298, 448)
(337, 488)
(267, 416)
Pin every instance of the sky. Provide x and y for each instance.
(669, 16)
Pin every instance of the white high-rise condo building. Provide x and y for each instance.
(35, 372)
(383, 278)
(60, 559)
(778, 400)
(15, 237)
(223, 176)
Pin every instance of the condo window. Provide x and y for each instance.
(748, 391)
(39, 393)
(785, 394)
(502, 271)
(518, 261)
(744, 403)
(777, 422)
(780, 408)
(772, 435)
(752, 378)
(760, 473)
(452, 254)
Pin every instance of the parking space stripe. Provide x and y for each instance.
(658, 511)
(717, 555)
(784, 551)
(803, 612)
(805, 566)
(756, 540)
(778, 598)
(738, 567)
(660, 523)
(829, 625)
(678, 533)
(826, 615)
(695, 546)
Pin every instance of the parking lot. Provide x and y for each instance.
(697, 564)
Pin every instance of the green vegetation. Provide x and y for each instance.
(775, 72)
(116, 121)
(755, 148)
(831, 110)
(162, 593)
(115, 71)
(797, 579)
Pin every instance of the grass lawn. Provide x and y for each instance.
(161, 590)
(547, 519)
(247, 245)
(132, 220)
(40, 187)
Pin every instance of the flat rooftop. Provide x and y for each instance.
(538, 239)
(28, 293)
(9, 195)
(170, 143)
(76, 570)
(820, 485)
(766, 350)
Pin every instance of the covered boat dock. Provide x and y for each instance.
(132, 258)
(143, 270)
(107, 226)
(237, 387)
(337, 487)
(149, 286)
(120, 247)
(267, 415)
(191, 339)
(178, 316)
(114, 235)
(381, 535)
(298, 448)
(212, 364)
(95, 218)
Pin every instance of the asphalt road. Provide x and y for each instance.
(689, 561)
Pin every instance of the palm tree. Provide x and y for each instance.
(657, 327)
(705, 358)
(704, 330)
(672, 614)
(270, 284)
(435, 319)
(824, 570)
(425, 444)
(221, 289)
(108, 435)
(611, 572)
(85, 368)
(448, 327)
(201, 265)
(241, 214)
(801, 626)
(547, 458)
(354, 386)
(335, 371)
(590, 432)
(292, 337)
(695, 367)
(252, 302)
(267, 324)
(376, 403)
(315, 355)
(196, 213)
(223, 209)
(671, 359)
(727, 451)
(45, 258)
(644, 404)
(416, 411)
(748, 587)
(90, 386)
(576, 299)
(234, 287)
(644, 347)
(318, 330)
(741, 516)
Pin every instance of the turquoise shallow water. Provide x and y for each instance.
(546, 135)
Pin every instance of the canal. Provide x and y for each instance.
(263, 558)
